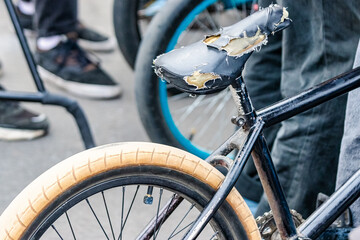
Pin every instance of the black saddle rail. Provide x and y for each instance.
(42, 96)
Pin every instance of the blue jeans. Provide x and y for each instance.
(319, 44)
(55, 17)
(349, 160)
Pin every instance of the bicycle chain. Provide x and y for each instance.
(267, 226)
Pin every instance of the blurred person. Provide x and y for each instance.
(18, 123)
(87, 38)
(60, 59)
(318, 45)
(349, 159)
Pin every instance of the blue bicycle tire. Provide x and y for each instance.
(151, 94)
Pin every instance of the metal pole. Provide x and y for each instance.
(310, 98)
(25, 46)
(272, 188)
(51, 99)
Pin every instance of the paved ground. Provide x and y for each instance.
(111, 121)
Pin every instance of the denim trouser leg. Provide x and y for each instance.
(317, 46)
(349, 160)
(55, 17)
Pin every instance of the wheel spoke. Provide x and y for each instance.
(97, 219)
(182, 229)
(108, 215)
(185, 33)
(205, 102)
(157, 213)
(191, 207)
(70, 225)
(57, 232)
(210, 106)
(190, 109)
(214, 115)
(122, 212)
(213, 236)
(211, 21)
(127, 215)
(166, 212)
(221, 130)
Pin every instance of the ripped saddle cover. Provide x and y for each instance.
(210, 65)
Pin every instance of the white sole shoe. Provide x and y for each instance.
(80, 89)
(12, 134)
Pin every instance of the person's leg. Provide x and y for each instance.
(349, 159)
(25, 10)
(55, 17)
(317, 46)
(61, 61)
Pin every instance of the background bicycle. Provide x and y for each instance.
(132, 17)
(169, 116)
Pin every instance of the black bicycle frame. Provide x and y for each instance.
(255, 143)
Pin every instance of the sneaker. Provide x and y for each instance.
(91, 40)
(69, 67)
(17, 123)
(87, 38)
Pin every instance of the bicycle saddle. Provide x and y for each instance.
(210, 65)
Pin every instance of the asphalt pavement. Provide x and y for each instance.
(110, 120)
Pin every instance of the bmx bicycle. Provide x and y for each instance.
(183, 195)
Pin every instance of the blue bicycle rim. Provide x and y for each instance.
(187, 144)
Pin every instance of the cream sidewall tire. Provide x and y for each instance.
(36, 197)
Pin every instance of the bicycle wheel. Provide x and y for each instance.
(197, 125)
(98, 194)
(129, 26)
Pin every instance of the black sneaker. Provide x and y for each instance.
(17, 123)
(88, 38)
(91, 40)
(69, 67)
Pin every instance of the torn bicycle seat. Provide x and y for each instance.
(210, 65)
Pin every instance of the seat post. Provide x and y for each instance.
(246, 112)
